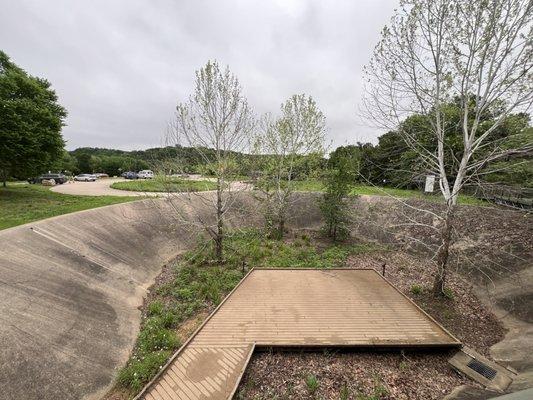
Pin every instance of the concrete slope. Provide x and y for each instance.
(70, 287)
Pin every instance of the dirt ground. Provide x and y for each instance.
(380, 375)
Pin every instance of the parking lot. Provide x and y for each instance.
(99, 188)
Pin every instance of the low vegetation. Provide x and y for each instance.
(165, 185)
(23, 203)
(196, 283)
(312, 384)
(318, 186)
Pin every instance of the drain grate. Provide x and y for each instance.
(482, 369)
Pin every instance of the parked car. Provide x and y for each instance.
(145, 174)
(58, 178)
(101, 175)
(85, 178)
(130, 175)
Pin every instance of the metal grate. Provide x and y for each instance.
(482, 369)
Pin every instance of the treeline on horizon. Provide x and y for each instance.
(388, 163)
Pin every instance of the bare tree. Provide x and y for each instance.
(217, 121)
(283, 143)
(478, 53)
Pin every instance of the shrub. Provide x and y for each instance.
(312, 383)
(343, 167)
(155, 308)
(448, 293)
(416, 289)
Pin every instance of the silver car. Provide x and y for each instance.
(85, 178)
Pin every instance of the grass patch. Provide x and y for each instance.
(416, 289)
(379, 393)
(198, 284)
(317, 186)
(162, 184)
(312, 384)
(23, 203)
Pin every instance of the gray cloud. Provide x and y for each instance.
(120, 67)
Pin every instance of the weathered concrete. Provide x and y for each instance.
(70, 287)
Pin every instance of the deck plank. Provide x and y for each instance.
(292, 307)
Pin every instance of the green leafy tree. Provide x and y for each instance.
(291, 145)
(85, 162)
(434, 53)
(339, 179)
(217, 122)
(66, 164)
(30, 123)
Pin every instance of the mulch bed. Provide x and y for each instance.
(381, 375)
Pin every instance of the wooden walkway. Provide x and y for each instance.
(286, 308)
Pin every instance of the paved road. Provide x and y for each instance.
(99, 188)
(102, 188)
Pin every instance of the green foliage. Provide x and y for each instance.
(343, 170)
(314, 186)
(140, 370)
(379, 391)
(170, 159)
(416, 289)
(286, 147)
(515, 169)
(448, 293)
(155, 308)
(163, 184)
(344, 393)
(312, 384)
(156, 342)
(30, 123)
(393, 163)
(23, 203)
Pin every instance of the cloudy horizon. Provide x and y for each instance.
(120, 68)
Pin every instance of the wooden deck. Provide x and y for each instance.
(292, 307)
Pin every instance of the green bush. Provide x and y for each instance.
(155, 308)
(448, 293)
(312, 383)
(416, 289)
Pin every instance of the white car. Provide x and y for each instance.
(85, 178)
(145, 174)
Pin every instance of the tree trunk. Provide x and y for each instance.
(444, 252)
(219, 250)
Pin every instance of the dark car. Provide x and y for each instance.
(58, 178)
(130, 175)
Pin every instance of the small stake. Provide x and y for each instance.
(383, 269)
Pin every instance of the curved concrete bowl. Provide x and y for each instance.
(71, 287)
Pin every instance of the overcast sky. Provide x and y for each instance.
(120, 67)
